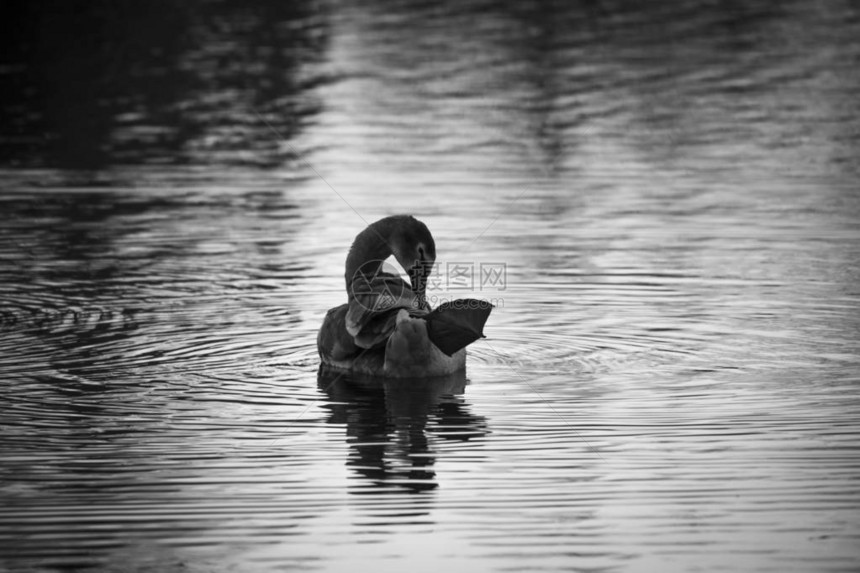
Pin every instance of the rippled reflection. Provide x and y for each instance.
(388, 422)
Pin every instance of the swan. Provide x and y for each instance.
(383, 328)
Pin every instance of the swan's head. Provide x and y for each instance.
(414, 248)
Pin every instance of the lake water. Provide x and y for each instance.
(663, 203)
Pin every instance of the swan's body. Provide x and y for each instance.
(381, 330)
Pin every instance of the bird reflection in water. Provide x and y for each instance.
(392, 425)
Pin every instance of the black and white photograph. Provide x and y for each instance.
(429, 286)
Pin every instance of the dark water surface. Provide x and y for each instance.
(671, 378)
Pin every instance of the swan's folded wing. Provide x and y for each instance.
(373, 306)
(377, 331)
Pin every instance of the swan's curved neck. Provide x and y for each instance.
(370, 248)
